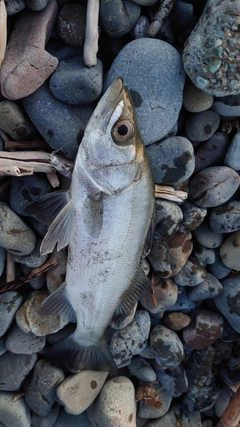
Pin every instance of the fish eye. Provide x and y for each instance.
(123, 131)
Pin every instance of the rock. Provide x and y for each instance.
(177, 413)
(60, 335)
(9, 303)
(141, 369)
(205, 255)
(233, 153)
(218, 269)
(225, 218)
(183, 303)
(194, 99)
(56, 275)
(174, 380)
(66, 420)
(213, 186)
(222, 401)
(211, 152)
(2, 260)
(201, 126)
(172, 160)
(203, 399)
(71, 24)
(209, 288)
(14, 368)
(165, 296)
(117, 18)
(27, 64)
(115, 405)
(209, 61)
(14, 6)
(36, 4)
(222, 351)
(227, 107)
(168, 219)
(74, 83)
(46, 421)
(192, 273)
(32, 260)
(230, 370)
(36, 283)
(156, 90)
(181, 17)
(207, 237)
(167, 345)
(19, 342)
(15, 235)
(228, 301)
(205, 329)
(167, 258)
(152, 402)
(13, 413)
(41, 391)
(14, 122)
(192, 216)
(140, 28)
(69, 392)
(176, 321)
(230, 251)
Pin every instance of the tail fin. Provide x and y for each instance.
(76, 357)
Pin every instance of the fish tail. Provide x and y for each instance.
(76, 357)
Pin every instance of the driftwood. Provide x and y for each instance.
(162, 13)
(21, 145)
(231, 415)
(91, 38)
(167, 192)
(3, 31)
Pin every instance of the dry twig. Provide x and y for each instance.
(167, 192)
(21, 145)
(91, 38)
(3, 31)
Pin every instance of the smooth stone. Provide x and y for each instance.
(56, 275)
(167, 258)
(211, 152)
(120, 323)
(168, 219)
(154, 103)
(165, 296)
(203, 399)
(66, 420)
(115, 405)
(71, 24)
(167, 345)
(74, 83)
(29, 319)
(228, 302)
(2, 346)
(69, 392)
(181, 17)
(60, 335)
(209, 288)
(201, 126)
(172, 160)
(152, 402)
(14, 122)
(34, 259)
(206, 327)
(27, 189)
(176, 321)
(36, 283)
(36, 4)
(232, 158)
(222, 401)
(227, 107)
(14, 6)
(230, 251)
(48, 420)
(18, 342)
(41, 391)
(59, 133)
(183, 303)
(15, 235)
(174, 381)
(63, 51)
(218, 269)
(226, 218)
(117, 18)
(9, 304)
(205, 255)
(130, 340)
(141, 369)
(192, 273)
(14, 368)
(140, 28)
(223, 351)
(194, 99)
(14, 413)
(207, 237)
(213, 186)
(177, 414)
(192, 216)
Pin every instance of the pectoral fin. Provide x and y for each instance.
(93, 216)
(57, 304)
(47, 207)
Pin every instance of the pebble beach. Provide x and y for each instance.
(178, 352)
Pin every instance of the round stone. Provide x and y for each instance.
(19, 342)
(152, 401)
(71, 24)
(225, 218)
(192, 273)
(205, 329)
(9, 303)
(192, 216)
(168, 219)
(165, 296)
(207, 237)
(176, 321)
(232, 158)
(194, 99)
(201, 126)
(14, 122)
(141, 369)
(211, 152)
(209, 288)
(14, 368)
(13, 412)
(118, 17)
(230, 251)
(167, 345)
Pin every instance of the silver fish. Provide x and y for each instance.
(104, 218)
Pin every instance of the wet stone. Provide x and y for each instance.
(153, 401)
(201, 126)
(71, 24)
(206, 327)
(168, 219)
(228, 301)
(141, 369)
(165, 296)
(14, 368)
(192, 273)
(177, 414)
(209, 288)
(174, 380)
(9, 303)
(14, 122)
(176, 321)
(226, 218)
(230, 251)
(13, 413)
(167, 345)
(205, 255)
(172, 160)
(117, 18)
(19, 342)
(67, 420)
(194, 99)
(45, 421)
(211, 152)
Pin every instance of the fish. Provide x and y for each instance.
(105, 219)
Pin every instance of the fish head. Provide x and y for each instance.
(112, 150)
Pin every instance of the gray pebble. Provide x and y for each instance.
(61, 125)
(67, 420)
(71, 24)
(209, 288)
(218, 269)
(14, 6)
(36, 283)
(227, 107)
(192, 216)
(9, 303)
(156, 87)
(225, 218)
(15, 235)
(192, 273)
(14, 368)
(201, 126)
(19, 342)
(168, 219)
(74, 83)
(13, 413)
(48, 420)
(207, 237)
(222, 401)
(232, 158)
(173, 380)
(228, 302)
(155, 406)
(41, 392)
(213, 186)
(211, 152)
(177, 413)
(167, 345)
(14, 122)
(230, 251)
(206, 328)
(2, 346)
(194, 99)
(205, 255)
(36, 4)
(172, 160)
(141, 369)
(181, 17)
(130, 340)
(34, 259)
(145, 2)
(117, 18)
(140, 28)
(183, 303)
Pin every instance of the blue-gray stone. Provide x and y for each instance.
(232, 158)
(18, 342)
(14, 6)
(118, 17)
(177, 414)
(174, 380)
(211, 152)
(225, 218)
(14, 413)
(141, 369)
(218, 269)
(67, 420)
(2, 259)
(205, 255)
(228, 301)
(48, 420)
(36, 4)
(207, 237)
(168, 219)
(192, 273)
(209, 288)
(150, 409)
(183, 304)
(227, 107)
(9, 303)
(201, 126)
(167, 345)
(14, 368)
(192, 216)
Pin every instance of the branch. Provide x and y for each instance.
(167, 192)
(91, 38)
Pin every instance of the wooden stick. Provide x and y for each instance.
(3, 31)
(91, 38)
(17, 283)
(167, 192)
(10, 268)
(19, 145)
(231, 415)
(160, 16)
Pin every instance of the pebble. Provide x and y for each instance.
(41, 391)
(152, 401)
(117, 18)
(74, 83)
(205, 329)
(141, 369)
(232, 158)
(213, 186)
(222, 401)
(18, 342)
(230, 251)
(183, 303)
(192, 273)
(69, 392)
(194, 99)
(209, 288)
(15, 235)
(14, 122)
(172, 160)
(173, 380)
(14, 368)
(230, 370)
(62, 130)
(227, 107)
(167, 345)
(115, 406)
(181, 16)
(167, 258)
(14, 6)
(34, 259)
(168, 219)
(2, 259)
(223, 351)
(9, 304)
(228, 301)
(226, 218)
(36, 4)
(211, 152)
(13, 413)
(165, 296)
(207, 237)
(66, 420)
(201, 126)
(71, 24)
(154, 102)
(48, 420)
(56, 275)
(36, 283)
(140, 28)
(176, 321)
(205, 255)
(192, 216)
(208, 58)
(218, 269)
(177, 415)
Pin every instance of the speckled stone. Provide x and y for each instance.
(192, 273)
(201, 126)
(141, 369)
(209, 288)
(14, 122)
(194, 99)
(34, 259)
(228, 302)
(117, 18)
(168, 219)
(14, 368)
(173, 380)
(9, 303)
(205, 329)
(230, 251)
(226, 218)
(71, 24)
(205, 255)
(45, 421)
(36, 4)
(183, 303)
(19, 342)
(210, 54)
(155, 406)
(207, 237)
(13, 413)
(211, 152)
(176, 321)
(165, 296)
(192, 216)
(14, 6)
(167, 345)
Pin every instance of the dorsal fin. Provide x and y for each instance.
(47, 207)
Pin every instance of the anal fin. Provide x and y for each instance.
(57, 304)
